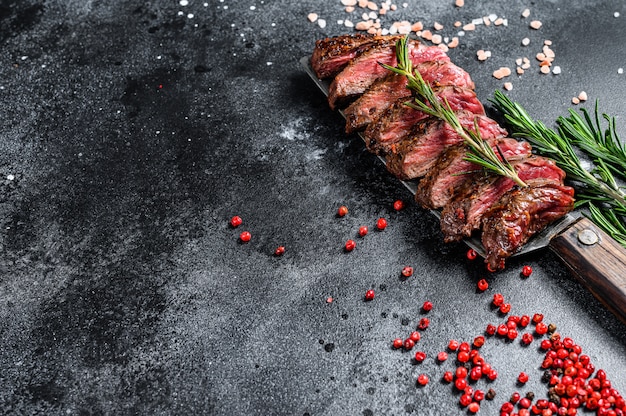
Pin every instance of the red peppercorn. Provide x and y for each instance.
(448, 377)
(453, 345)
(527, 271)
(460, 383)
(492, 375)
(465, 400)
(407, 271)
(422, 379)
(280, 250)
(491, 329)
(524, 403)
(423, 324)
(479, 341)
(479, 395)
(502, 330)
(461, 372)
(442, 356)
(427, 306)
(409, 344)
(507, 407)
(369, 295)
(476, 373)
(473, 407)
(490, 268)
(498, 299)
(245, 236)
(538, 317)
(527, 338)
(471, 254)
(523, 377)
(381, 224)
(420, 356)
(415, 336)
(524, 320)
(463, 356)
(515, 397)
(397, 343)
(512, 334)
(363, 230)
(482, 285)
(236, 221)
(398, 205)
(541, 328)
(464, 346)
(505, 308)
(350, 245)
(342, 211)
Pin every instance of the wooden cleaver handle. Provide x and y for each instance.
(597, 260)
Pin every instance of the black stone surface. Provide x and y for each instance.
(131, 131)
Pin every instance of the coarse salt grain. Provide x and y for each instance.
(469, 27)
(582, 96)
(508, 86)
(536, 24)
(525, 42)
(620, 70)
(348, 23)
(349, 9)
(499, 21)
(575, 100)
(436, 39)
(526, 13)
(616, 14)
(556, 70)
(349, 2)
(459, 3)
(545, 69)
(453, 43)
(502, 72)
(417, 26)
(321, 23)
(312, 17)
(183, 2)
(437, 26)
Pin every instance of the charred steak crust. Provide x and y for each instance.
(388, 89)
(441, 182)
(363, 70)
(464, 213)
(519, 215)
(413, 157)
(380, 96)
(397, 122)
(331, 55)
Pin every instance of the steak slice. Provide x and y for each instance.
(331, 55)
(388, 89)
(464, 213)
(363, 70)
(442, 181)
(519, 215)
(414, 156)
(397, 121)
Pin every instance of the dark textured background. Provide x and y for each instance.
(131, 133)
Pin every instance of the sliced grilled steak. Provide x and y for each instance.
(388, 89)
(519, 215)
(442, 181)
(397, 121)
(331, 55)
(464, 213)
(416, 155)
(363, 70)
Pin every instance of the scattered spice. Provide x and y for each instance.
(342, 211)
(381, 224)
(536, 24)
(407, 271)
(527, 271)
(363, 230)
(280, 250)
(369, 295)
(236, 221)
(245, 236)
(398, 205)
(350, 245)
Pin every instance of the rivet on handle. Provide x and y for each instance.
(588, 237)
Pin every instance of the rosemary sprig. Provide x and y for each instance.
(480, 152)
(598, 188)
